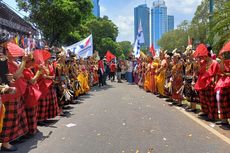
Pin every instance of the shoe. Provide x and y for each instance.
(74, 102)
(11, 149)
(41, 124)
(202, 114)
(66, 107)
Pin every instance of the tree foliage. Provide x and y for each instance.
(59, 20)
(220, 30)
(125, 48)
(104, 33)
(201, 30)
(174, 39)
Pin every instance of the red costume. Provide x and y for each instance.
(15, 122)
(31, 97)
(205, 85)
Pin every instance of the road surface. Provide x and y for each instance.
(122, 118)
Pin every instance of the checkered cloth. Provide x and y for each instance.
(48, 106)
(208, 102)
(225, 103)
(15, 123)
(31, 114)
(53, 104)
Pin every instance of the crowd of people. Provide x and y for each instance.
(196, 76)
(38, 86)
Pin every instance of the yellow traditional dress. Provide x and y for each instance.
(161, 78)
(154, 67)
(83, 80)
(147, 83)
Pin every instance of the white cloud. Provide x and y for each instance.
(186, 7)
(123, 16)
(103, 9)
(126, 27)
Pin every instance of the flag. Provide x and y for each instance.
(152, 50)
(139, 40)
(83, 48)
(189, 40)
(109, 56)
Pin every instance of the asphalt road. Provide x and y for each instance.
(121, 118)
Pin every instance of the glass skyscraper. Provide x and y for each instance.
(170, 22)
(141, 14)
(96, 8)
(159, 22)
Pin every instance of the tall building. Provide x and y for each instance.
(159, 21)
(141, 14)
(170, 22)
(96, 8)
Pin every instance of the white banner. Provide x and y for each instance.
(139, 40)
(83, 48)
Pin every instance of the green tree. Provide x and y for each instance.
(125, 47)
(174, 39)
(104, 33)
(199, 28)
(220, 31)
(59, 20)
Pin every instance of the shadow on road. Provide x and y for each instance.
(31, 143)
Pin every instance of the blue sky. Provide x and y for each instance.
(121, 12)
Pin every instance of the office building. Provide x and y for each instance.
(141, 14)
(96, 8)
(170, 22)
(159, 23)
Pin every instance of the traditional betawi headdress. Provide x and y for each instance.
(201, 51)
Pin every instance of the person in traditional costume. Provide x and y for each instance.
(53, 103)
(154, 67)
(206, 82)
(177, 79)
(142, 74)
(47, 106)
(222, 87)
(148, 76)
(160, 80)
(95, 75)
(190, 77)
(14, 122)
(136, 71)
(31, 95)
(83, 77)
(168, 78)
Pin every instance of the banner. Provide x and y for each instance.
(139, 40)
(82, 49)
